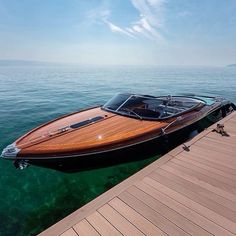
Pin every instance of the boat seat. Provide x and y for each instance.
(147, 113)
(172, 109)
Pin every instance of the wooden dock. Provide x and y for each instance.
(189, 191)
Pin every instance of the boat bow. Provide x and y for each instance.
(10, 152)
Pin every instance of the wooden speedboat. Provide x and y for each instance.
(126, 123)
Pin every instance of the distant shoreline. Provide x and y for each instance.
(24, 63)
(9, 62)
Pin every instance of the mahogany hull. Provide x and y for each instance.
(155, 147)
(95, 138)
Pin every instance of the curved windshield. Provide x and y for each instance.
(150, 107)
(116, 101)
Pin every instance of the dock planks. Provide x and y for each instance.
(185, 192)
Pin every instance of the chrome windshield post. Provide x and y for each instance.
(179, 118)
(124, 102)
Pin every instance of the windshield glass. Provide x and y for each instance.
(116, 101)
(150, 107)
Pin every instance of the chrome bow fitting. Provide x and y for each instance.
(10, 151)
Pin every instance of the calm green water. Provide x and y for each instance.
(33, 199)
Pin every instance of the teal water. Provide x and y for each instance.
(33, 199)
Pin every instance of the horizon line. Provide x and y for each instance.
(25, 62)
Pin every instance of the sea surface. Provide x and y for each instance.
(35, 198)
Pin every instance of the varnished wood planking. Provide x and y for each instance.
(114, 130)
(61, 122)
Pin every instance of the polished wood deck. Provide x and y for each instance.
(189, 191)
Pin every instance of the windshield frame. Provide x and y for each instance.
(118, 111)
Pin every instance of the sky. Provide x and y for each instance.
(119, 32)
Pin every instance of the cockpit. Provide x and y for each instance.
(150, 107)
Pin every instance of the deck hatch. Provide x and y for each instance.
(86, 122)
